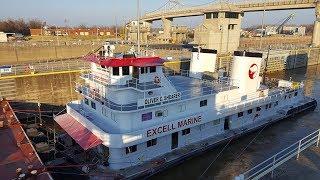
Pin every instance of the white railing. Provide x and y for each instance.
(269, 165)
(46, 67)
(118, 83)
(185, 95)
(225, 81)
(255, 3)
(246, 4)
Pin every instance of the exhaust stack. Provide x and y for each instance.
(202, 60)
(245, 71)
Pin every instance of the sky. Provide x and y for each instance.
(111, 12)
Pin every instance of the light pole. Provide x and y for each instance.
(262, 24)
(138, 33)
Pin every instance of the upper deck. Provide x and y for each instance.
(188, 87)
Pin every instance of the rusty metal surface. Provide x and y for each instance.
(16, 149)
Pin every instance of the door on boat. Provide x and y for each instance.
(226, 123)
(174, 140)
(135, 73)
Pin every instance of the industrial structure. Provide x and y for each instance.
(220, 29)
(132, 30)
(176, 34)
(3, 37)
(179, 10)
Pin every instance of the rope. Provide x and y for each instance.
(31, 110)
(205, 171)
(242, 151)
(61, 111)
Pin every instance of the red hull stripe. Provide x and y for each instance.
(119, 62)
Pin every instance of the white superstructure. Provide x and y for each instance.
(133, 110)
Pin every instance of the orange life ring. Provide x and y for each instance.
(156, 80)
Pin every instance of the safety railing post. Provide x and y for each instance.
(299, 149)
(318, 138)
(274, 159)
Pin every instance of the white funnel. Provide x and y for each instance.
(202, 60)
(245, 71)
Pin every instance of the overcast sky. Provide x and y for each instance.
(107, 12)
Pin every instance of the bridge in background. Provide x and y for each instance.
(250, 6)
(175, 9)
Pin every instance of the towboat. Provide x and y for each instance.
(136, 114)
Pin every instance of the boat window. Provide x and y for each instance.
(258, 108)
(142, 70)
(125, 70)
(153, 69)
(152, 142)
(159, 113)
(203, 103)
(115, 71)
(131, 149)
(86, 101)
(104, 111)
(240, 114)
(182, 107)
(250, 111)
(93, 105)
(146, 116)
(216, 122)
(185, 131)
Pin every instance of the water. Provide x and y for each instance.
(59, 89)
(271, 140)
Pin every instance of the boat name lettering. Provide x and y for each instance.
(173, 126)
(160, 99)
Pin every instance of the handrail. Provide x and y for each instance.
(134, 82)
(281, 157)
(45, 67)
(232, 104)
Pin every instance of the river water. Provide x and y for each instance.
(59, 89)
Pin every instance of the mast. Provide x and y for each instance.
(262, 24)
(138, 33)
(266, 64)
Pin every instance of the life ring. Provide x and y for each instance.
(156, 80)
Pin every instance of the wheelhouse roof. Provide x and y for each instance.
(128, 61)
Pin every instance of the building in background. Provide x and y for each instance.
(294, 30)
(73, 31)
(3, 37)
(284, 30)
(132, 31)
